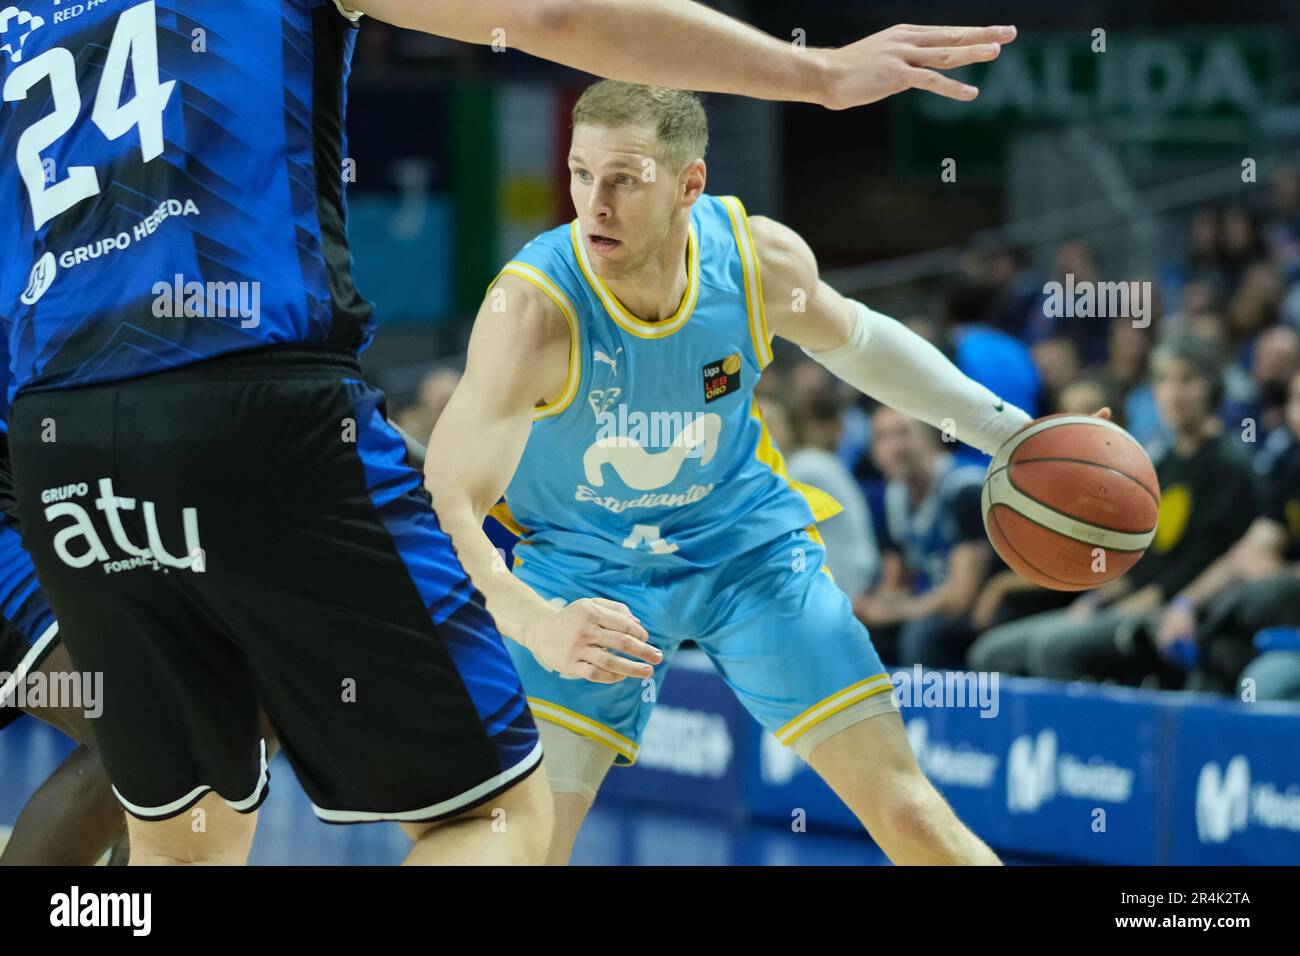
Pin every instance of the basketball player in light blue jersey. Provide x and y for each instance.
(608, 394)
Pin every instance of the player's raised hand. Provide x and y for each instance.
(907, 57)
(581, 638)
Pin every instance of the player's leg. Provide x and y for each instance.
(179, 712)
(208, 833)
(870, 766)
(382, 673)
(585, 727)
(576, 767)
(804, 666)
(72, 818)
(513, 828)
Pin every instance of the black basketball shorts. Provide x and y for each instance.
(246, 531)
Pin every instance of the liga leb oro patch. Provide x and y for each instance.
(721, 377)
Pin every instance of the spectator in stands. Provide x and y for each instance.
(1277, 360)
(1075, 264)
(936, 555)
(808, 435)
(1015, 288)
(1085, 395)
(1254, 306)
(1195, 298)
(1240, 245)
(1208, 499)
(1203, 250)
(1282, 227)
(431, 398)
(1210, 625)
(1057, 361)
(1127, 369)
(1274, 675)
(999, 361)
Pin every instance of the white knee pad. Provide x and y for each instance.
(872, 706)
(574, 763)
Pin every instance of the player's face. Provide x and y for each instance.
(624, 201)
(1182, 394)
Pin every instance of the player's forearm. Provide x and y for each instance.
(889, 362)
(468, 466)
(679, 44)
(673, 43)
(512, 604)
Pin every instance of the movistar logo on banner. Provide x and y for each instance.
(1038, 772)
(1227, 802)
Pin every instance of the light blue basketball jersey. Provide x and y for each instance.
(655, 454)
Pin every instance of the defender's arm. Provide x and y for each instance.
(686, 45)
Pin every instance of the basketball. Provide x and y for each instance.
(1070, 503)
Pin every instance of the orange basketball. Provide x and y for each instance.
(1071, 502)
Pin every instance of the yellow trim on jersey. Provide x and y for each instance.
(817, 536)
(792, 730)
(539, 279)
(619, 313)
(821, 504)
(749, 267)
(501, 511)
(576, 722)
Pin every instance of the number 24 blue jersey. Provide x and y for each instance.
(172, 184)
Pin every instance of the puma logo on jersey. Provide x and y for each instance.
(600, 356)
(646, 471)
(15, 27)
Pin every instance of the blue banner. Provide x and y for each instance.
(1234, 775)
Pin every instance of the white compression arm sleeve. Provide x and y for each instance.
(888, 361)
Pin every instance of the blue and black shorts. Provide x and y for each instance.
(246, 532)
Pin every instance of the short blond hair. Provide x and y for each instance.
(676, 116)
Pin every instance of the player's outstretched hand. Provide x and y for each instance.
(579, 640)
(907, 57)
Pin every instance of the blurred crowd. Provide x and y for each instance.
(1206, 377)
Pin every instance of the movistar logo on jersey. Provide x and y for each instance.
(623, 440)
(15, 27)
